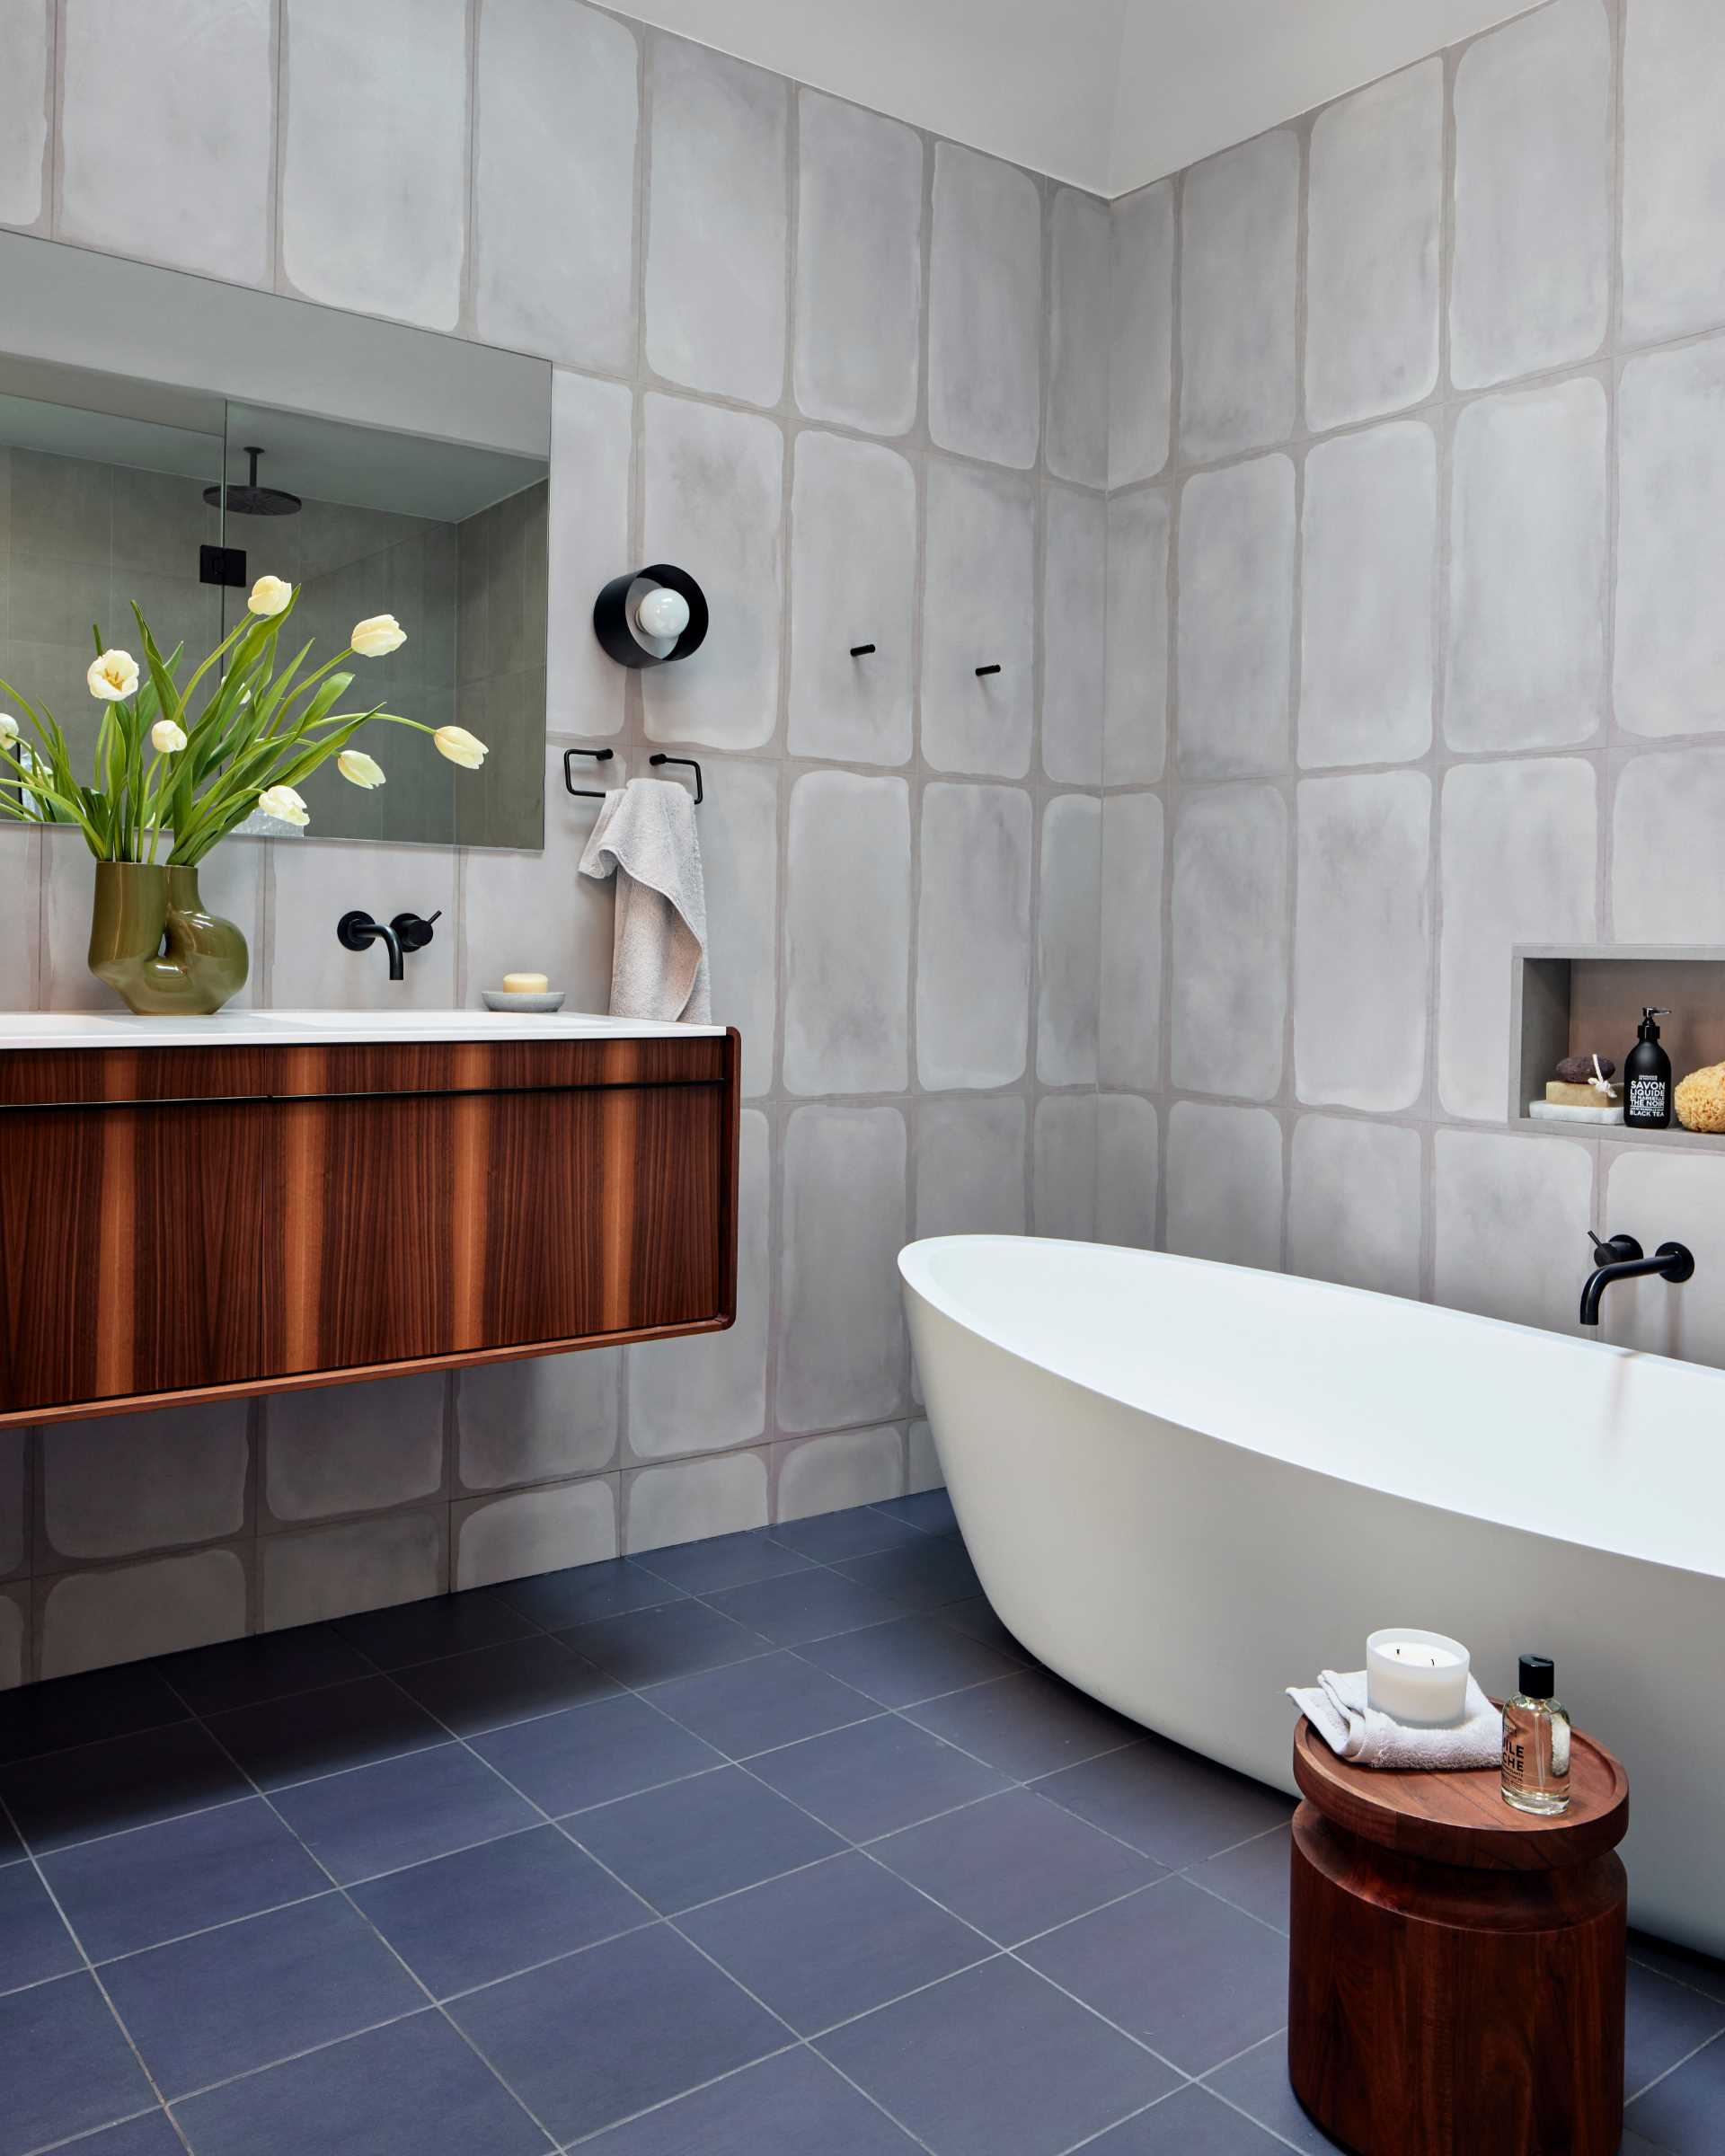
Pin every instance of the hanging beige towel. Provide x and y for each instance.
(645, 837)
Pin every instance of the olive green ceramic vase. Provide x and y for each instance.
(152, 942)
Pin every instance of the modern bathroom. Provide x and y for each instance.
(861, 1077)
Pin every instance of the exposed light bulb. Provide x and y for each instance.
(662, 612)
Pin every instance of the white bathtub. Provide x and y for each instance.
(1187, 1485)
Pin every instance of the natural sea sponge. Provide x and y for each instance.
(1700, 1099)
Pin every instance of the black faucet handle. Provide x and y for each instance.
(414, 933)
(1621, 1250)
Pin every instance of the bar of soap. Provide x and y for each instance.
(1578, 1096)
(525, 984)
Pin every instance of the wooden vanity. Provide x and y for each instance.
(244, 1204)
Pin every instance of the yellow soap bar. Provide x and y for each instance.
(1579, 1096)
(525, 984)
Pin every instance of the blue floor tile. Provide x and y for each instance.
(977, 1620)
(595, 1754)
(1189, 2123)
(149, 2136)
(493, 1686)
(828, 1536)
(81, 1711)
(793, 2105)
(1191, 1975)
(1257, 2082)
(1254, 1876)
(270, 1665)
(583, 1594)
(247, 1994)
(1171, 1804)
(930, 1510)
(726, 1560)
(649, 1646)
(605, 2034)
(34, 1943)
(1686, 2112)
(750, 1706)
(122, 1782)
(1665, 2022)
(413, 2088)
(911, 1658)
(1014, 1866)
(443, 1624)
(11, 1849)
(693, 1840)
(995, 2063)
(157, 1883)
(491, 1911)
(880, 1775)
(1682, 1965)
(1028, 1724)
(326, 1732)
(65, 2066)
(826, 1944)
(812, 1604)
(923, 1577)
(403, 1812)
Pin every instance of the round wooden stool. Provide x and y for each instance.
(1456, 1976)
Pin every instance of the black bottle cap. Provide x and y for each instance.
(1537, 1677)
(1647, 1029)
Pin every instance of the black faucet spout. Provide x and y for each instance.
(359, 931)
(1671, 1261)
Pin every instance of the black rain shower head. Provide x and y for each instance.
(252, 500)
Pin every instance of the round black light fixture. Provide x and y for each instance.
(650, 615)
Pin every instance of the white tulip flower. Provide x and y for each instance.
(359, 769)
(113, 676)
(269, 595)
(377, 636)
(285, 804)
(8, 729)
(167, 737)
(460, 746)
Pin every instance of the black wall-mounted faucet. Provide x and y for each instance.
(1621, 1258)
(405, 933)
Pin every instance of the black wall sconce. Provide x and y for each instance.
(650, 615)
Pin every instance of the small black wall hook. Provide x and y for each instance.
(689, 763)
(584, 793)
(861, 650)
(982, 670)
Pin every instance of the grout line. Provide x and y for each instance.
(1675, 2066)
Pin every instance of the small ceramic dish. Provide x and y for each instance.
(505, 999)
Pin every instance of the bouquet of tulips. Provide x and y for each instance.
(160, 769)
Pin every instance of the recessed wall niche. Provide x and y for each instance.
(1590, 1001)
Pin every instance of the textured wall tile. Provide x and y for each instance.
(228, 881)
(978, 609)
(354, 1449)
(119, 1483)
(970, 1168)
(533, 1421)
(1129, 1021)
(558, 105)
(1527, 589)
(925, 1470)
(1667, 817)
(374, 177)
(1362, 950)
(1224, 1184)
(739, 824)
(1236, 615)
(1509, 1213)
(1531, 283)
(1519, 852)
(697, 1394)
(14, 1516)
(1078, 337)
(26, 45)
(1668, 1197)
(1368, 532)
(309, 970)
(852, 575)
(15, 1638)
(828, 1474)
(191, 187)
(718, 224)
(973, 936)
(725, 1495)
(1062, 1167)
(20, 877)
(1356, 1204)
(985, 308)
(859, 266)
(1067, 958)
(1373, 216)
(592, 430)
(1126, 1166)
(1135, 714)
(1229, 929)
(1239, 219)
(1141, 348)
(1074, 629)
(324, 1572)
(1674, 179)
(534, 1531)
(714, 484)
(847, 935)
(89, 1619)
(533, 912)
(842, 1348)
(1670, 650)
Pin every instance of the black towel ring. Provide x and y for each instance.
(584, 793)
(689, 763)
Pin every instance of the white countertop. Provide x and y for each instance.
(286, 1028)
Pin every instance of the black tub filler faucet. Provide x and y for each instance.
(1622, 1259)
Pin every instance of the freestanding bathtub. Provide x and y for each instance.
(1187, 1485)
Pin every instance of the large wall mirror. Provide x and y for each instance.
(168, 440)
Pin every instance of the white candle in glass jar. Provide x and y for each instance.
(1416, 1677)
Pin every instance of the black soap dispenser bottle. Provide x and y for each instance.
(1646, 1078)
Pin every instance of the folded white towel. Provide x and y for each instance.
(1336, 1708)
(645, 837)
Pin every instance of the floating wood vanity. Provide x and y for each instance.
(257, 1201)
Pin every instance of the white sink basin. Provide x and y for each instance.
(276, 1028)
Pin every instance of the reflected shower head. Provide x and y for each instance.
(252, 500)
